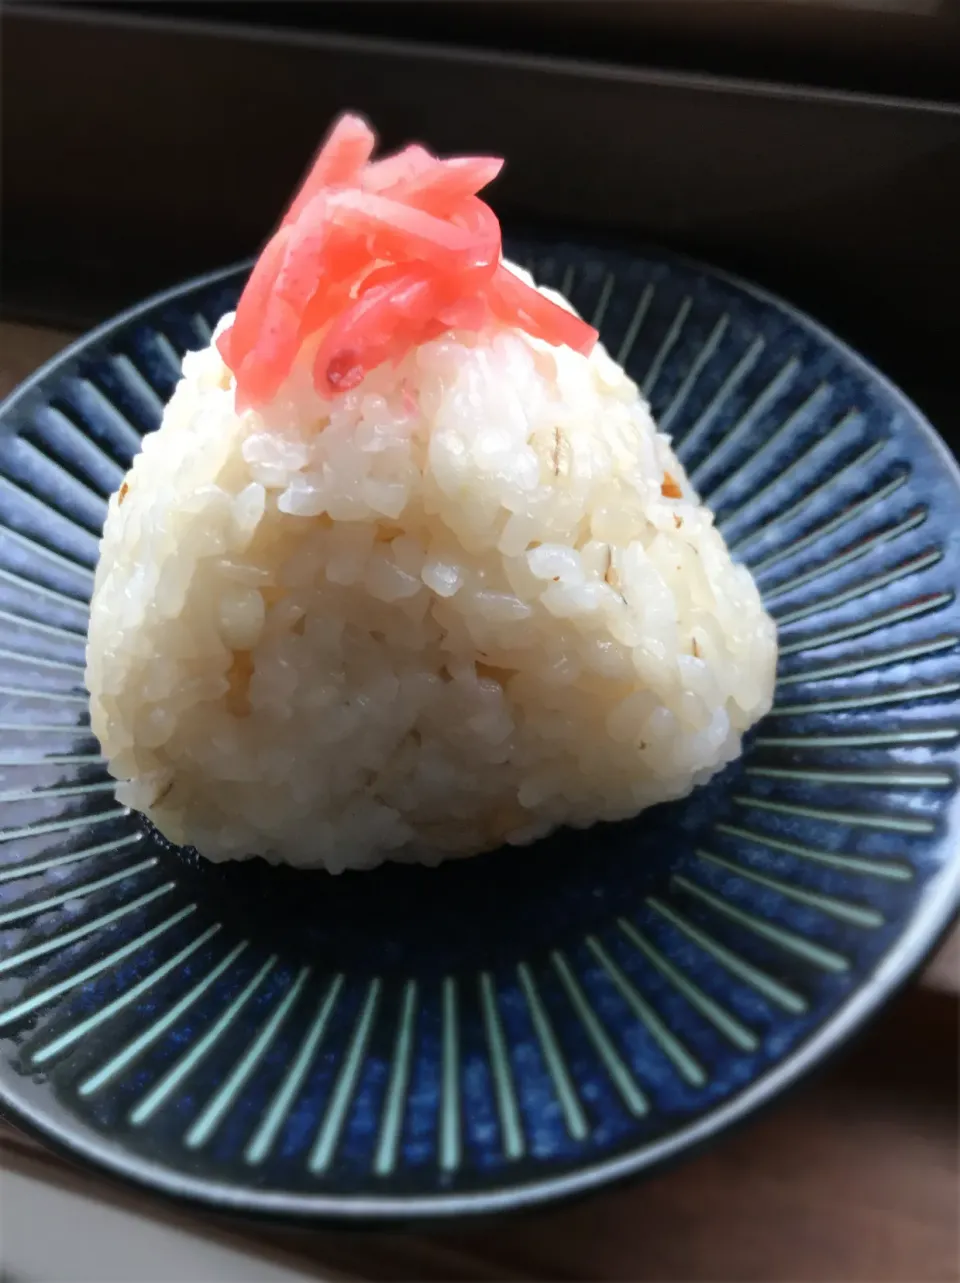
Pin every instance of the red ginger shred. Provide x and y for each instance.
(377, 257)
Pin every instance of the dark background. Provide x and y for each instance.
(882, 46)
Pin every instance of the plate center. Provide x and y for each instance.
(484, 911)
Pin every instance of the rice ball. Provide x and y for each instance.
(471, 600)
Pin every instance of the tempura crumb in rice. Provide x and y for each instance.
(470, 600)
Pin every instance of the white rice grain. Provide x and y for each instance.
(450, 609)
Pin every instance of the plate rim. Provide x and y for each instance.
(930, 921)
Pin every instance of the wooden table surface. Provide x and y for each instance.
(854, 1176)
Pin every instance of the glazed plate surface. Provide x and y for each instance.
(533, 1023)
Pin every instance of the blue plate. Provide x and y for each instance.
(530, 1024)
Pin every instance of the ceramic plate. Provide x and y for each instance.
(532, 1023)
